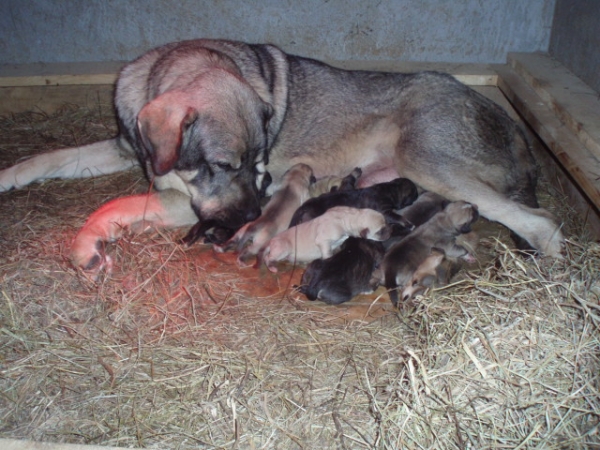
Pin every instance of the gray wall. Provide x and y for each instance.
(575, 40)
(410, 30)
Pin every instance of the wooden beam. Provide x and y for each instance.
(90, 73)
(470, 74)
(573, 101)
(582, 164)
(49, 98)
(55, 74)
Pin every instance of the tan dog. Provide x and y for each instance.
(293, 191)
(405, 258)
(318, 238)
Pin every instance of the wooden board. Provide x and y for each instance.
(582, 164)
(50, 98)
(106, 72)
(470, 74)
(575, 103)
(55, 74)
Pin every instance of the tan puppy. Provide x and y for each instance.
(440, 232)
(318, 238)
(293, 191)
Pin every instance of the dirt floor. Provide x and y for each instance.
(179, 348)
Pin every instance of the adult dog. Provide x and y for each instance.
(206, 118)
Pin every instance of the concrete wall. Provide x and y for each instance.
(575, 39)
(411, 30)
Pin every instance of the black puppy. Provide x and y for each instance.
(382, 197)
(344, 275)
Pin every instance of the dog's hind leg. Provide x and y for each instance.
(164, 209)
(535, 225)
(91, 160)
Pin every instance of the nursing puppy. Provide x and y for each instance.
(382, 197)
(334, 184)
(425, 276)
(440, 232)
(294, 191)
(344, 275)
(420, 211)
(318, 238)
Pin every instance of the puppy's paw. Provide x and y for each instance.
(469, 258)
(245, 259)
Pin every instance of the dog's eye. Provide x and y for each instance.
(224, 166)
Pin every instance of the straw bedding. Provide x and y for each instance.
(178, 348)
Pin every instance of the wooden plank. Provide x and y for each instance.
(582, 164)
(573, 101)
(550, 169)
(106, 72)
(51, 74)
(470, 74)
(49, 98)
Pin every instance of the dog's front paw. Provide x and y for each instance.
(87, 254)
(8, 179)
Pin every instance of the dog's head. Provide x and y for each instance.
(461, 215)
(212, 133)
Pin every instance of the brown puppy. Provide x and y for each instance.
(318, 238)
(424, 208)
(294, 191)
(403, 259)
(425, 276)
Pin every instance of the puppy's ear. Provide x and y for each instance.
(364, 233)
(160, 127)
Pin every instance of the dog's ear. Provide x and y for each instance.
(268, 112)
(161, 127)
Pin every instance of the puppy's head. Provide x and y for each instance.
(213, 134)
(424, 276)
(299, 174)
(404, 191)
(462, 215)
(380, 232)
